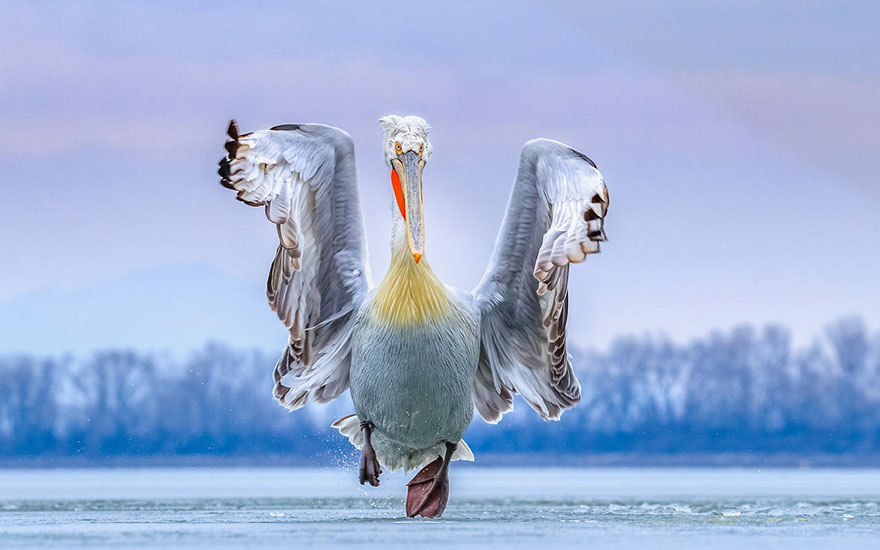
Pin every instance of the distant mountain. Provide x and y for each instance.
(174, 308)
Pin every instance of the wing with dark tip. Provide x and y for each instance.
(304, 177)
(555, 217)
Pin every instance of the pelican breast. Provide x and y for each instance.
(413, 380)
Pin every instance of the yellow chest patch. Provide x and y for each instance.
(410, 293)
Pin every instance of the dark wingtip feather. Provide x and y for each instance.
(231, 148)
(286, 127)
(232, 129)
(247, 202)
(585, 157)
(224, 174)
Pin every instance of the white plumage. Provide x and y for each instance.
(304, 175)
(417, 356)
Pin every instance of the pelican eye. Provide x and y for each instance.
(398, 148)
(421, 148)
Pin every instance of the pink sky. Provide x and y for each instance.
(738, 145)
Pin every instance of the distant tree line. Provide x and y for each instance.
(745, 390)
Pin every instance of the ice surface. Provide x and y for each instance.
(516, 508)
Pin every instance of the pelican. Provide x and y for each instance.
(417, 356)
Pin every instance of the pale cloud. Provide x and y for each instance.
(828, 121)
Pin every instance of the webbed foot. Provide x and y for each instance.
(370, 469)
(429, 489)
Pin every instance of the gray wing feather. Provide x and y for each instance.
(555, 217)
(304, 176)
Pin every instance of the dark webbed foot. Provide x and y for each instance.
(429, 489)
(370, 469)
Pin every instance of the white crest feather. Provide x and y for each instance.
(410, 131)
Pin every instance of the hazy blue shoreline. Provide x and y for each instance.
(747, 396)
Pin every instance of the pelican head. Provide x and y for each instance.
(407, 150)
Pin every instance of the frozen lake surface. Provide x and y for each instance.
(511, 508)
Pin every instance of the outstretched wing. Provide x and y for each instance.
(555, 217)
(304, 176)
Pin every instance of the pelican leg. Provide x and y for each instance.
(370, 468)
(429, 489)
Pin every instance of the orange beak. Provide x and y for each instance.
(406, 178)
